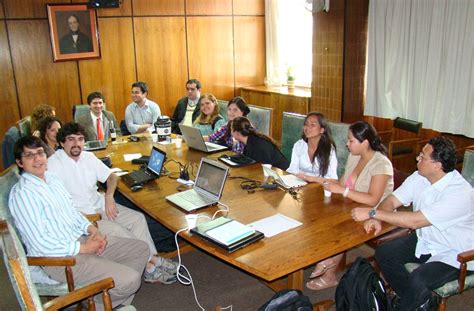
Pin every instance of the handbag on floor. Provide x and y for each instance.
(288, 300)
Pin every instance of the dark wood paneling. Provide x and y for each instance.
(249, 7)
(161, 58)
(209, 7)
(28, 8)
(40, 80)
(249, 51)
(114, 73)
(210, 52)
(154, 7)
(8, 101)
(1, 9)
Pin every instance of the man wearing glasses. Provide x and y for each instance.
(50, 226)
(442, 223)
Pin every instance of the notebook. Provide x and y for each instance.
(194, 140)
(207, 188)
(227, 233)
(151, 172)
(93, 145)
(286, 181)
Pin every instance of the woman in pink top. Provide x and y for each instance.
(368, 179)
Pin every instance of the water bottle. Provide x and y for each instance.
(113, 134)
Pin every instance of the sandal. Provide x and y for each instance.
(324, 268)
(320, 283)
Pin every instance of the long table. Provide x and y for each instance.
(327, 227)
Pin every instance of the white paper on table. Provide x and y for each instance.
(164, 142)
(275, 224)
(131, 156)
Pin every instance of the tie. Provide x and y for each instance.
(100, 133)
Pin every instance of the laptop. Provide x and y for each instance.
(151, 172)
(227, 233)
(194, 139)
(93, 145)
(207, 189)
(286, 181)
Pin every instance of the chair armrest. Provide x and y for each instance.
(83, 293)
(94, 218)
(463, 258)
(51, 261)
(391, 235)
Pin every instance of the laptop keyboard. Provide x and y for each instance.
(194, 198)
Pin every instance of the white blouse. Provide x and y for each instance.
(300, 162)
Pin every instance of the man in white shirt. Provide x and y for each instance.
(98, 122)
(188, 108)
(141, 115)
(50, 226)
(80, 171)
(442, 220)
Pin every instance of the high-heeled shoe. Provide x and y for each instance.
(320, 283)
(321, 268)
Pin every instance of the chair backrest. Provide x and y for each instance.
(8, 179)
(260, 117)
(8, 144)
(291, 130)
(223, 108)
(24, 125)
(407, 125)
(79, 110)
(468, 166)
(17, 267)
(339, 133)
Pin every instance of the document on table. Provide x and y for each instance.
(275, 224)
(131, 156)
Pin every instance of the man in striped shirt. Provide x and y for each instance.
(50, 226)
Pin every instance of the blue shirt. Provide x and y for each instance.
(136, 115)
(45, 216)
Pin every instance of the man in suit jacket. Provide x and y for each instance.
(98, 120)
(188, 108)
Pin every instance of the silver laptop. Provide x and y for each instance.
(194, 139)
(207, 188)
(93, 145)
(286, 181)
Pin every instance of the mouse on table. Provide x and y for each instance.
(136, 188)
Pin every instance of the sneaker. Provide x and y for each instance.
(159, 275)
(167, 264)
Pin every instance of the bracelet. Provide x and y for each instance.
(346, 192)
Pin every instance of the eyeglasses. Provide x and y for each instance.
(32, 156)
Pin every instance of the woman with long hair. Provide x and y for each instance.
(237, 107)
(258, 146)
(48, 128)
(314, 155)
(209, 119)
(368, 179)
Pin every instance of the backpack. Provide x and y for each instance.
(361, 288)
(288, 300)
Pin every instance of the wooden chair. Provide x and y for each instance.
(404, 138)
(291, 130)
(260, 117)
(468, 165)
(25, 290)
(24, 125)
(339, 133)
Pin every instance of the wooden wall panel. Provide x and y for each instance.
(210, 52)
(249, 7)
(114, 73)
(154, 7)
(161, 58)
(249, 51)
(209, 7)
(8, 101)
(28, 8)
(39, 80)
(1, 9)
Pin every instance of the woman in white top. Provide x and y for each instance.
(314, 155)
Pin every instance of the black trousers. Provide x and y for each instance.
(413, 288)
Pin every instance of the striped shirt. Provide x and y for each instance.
(218, 137)
(45, 216)
(136, 115)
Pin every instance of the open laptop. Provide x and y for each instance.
(207, 188)
(194, 139)
(93, 145)
(227, 233)
(151, 172)
(286, 181)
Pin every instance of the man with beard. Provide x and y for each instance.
(74, 41)
(80, 171)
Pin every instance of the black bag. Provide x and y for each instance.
(288, 300)
(361, 288)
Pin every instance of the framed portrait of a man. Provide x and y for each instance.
(73, 32)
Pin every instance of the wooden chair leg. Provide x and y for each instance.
(342, 264)
(323, 305)
(442, 304)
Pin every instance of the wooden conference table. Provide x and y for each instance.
(327, 228)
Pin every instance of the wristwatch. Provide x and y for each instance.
(372, 213)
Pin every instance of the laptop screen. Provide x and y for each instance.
(157, 158)
(211, 178)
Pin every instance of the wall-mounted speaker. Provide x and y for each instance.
(98, 4)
